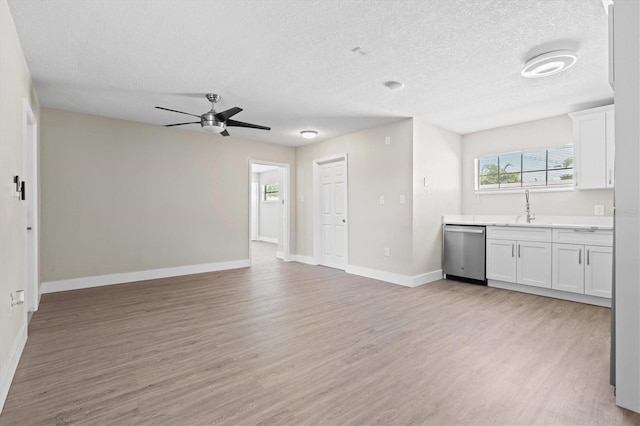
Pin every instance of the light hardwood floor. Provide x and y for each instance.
(290, 343)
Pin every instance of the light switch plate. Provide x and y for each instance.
(387, 140)
(381, 200)
(598, 210)
(387, 252)
(402, 199)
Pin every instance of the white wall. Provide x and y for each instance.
(627, 220)
(530, 135)
(436, 158)
(119, 196)
(15, 86)
(270, 211)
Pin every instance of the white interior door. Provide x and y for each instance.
(333, 214)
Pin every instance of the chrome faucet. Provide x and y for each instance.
(530, 216)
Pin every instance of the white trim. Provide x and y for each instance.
(393, 278)
(285, 190)
(279, 255)
(308, 260)
(268, 240)
(9, 368)
(152, 274)
(317, 225)
(520, 190)
(548, 292)
(30, 207)
(427, 278)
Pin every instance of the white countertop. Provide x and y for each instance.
(580, 222)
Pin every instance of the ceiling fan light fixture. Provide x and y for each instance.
(308, 134)
(211, 128)
(549, 63)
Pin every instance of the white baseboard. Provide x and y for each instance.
(127, 277)
(393, 278)
(11, 365)
(548, 292)
(309, 260)
(268, 240)
(427, 278)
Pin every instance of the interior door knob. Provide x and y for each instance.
(344, 220)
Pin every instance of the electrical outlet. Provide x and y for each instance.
(598, 210)
(382, 200)
(387, 252)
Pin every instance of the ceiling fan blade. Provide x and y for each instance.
(249, 125)
(225, 115)
(181, 124)
(225, 133)
(180, 112)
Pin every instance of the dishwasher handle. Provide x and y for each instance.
(464, 229)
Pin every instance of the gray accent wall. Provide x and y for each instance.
(120, 196)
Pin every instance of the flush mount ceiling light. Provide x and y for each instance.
(309, 134)
(549, 63)
(394, 85)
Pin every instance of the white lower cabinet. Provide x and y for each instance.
(598, 271)
(501, 260)
(569, 260)
(534, 264)
(583, 261)
(568, 268)
(521, 262)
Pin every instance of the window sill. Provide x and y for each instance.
(521, 190)
(270, 201)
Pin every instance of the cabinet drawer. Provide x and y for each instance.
(593, 237)
(519, 233)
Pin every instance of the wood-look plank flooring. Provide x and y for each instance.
(287, 343)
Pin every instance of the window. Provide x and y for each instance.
(551, 167)
(271, 192)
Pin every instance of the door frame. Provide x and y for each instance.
(31, 238)
(317, 214)
(286, 197)
(254, 226)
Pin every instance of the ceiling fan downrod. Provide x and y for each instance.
(213, 98)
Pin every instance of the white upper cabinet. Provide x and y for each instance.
(594, 147)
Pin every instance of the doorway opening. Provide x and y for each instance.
(31, 231)
(269, 211)
(330, 225)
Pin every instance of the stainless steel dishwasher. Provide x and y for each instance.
(464, 252)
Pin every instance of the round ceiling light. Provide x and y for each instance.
(549, 63)
(309, 134)
(394, 85)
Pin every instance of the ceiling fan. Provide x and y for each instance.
(216, 122)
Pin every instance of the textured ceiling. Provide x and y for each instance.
(290, 65)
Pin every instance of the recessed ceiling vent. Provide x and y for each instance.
(549, 63)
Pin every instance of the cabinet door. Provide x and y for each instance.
(534, 264)
(611, 148)
(589, 133)
(568, 268)
(598, 271)
(501, 260)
